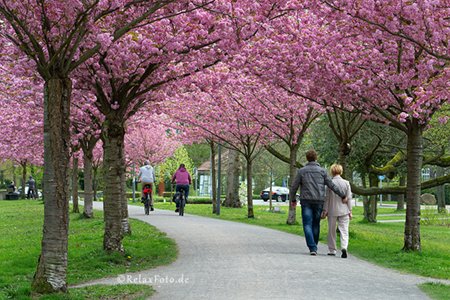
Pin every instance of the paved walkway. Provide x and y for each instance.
(227, 260)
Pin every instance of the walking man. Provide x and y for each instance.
(31, 187)
(312, 180)
(148, 178)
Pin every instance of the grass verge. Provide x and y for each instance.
(437, 291)
(21, 235)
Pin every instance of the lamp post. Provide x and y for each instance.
(134, 181)
(381, 177)
(210, 177)
(134, 177)
(195, 180)
(218, 181)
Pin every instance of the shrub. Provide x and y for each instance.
(432, 217)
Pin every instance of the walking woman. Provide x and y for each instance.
(338, 210)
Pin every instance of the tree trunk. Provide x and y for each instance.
(370, 203)
(364, 198)
(292, 215)
(113, 163)
(440, 191)
(213, 177)
(75, 207)
(388, 184)
(126, 228)
(249, 189)
(14, 176)
(401, 197)
(88, 210)
(344, 151)
(413, 180)
(95, 182)
(51, 270)
(233, 174)
(24, 179)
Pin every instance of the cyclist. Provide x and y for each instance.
(183, 180)
(148, 178)
(31, 188)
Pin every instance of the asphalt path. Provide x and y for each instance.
(229, 260)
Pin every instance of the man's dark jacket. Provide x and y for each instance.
(312, 180)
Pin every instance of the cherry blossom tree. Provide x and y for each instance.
(22, 130)
(224, 109)
(380, 76)
(145, 66)
(404, 87)
(86, 127)
(56, 37)
(421, 23)
(149, 138)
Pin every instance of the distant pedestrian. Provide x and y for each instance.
(147, 177)
(338, 211)
(31, 187)
(12, 186)
(312, 180)
(183, 180)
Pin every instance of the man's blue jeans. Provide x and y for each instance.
(311, 224)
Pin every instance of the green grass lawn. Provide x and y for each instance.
(379, 243)
(436, 291)
(20, 240)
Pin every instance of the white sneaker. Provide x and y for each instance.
(333, 253)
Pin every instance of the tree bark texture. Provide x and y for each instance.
(51, 271)
(75, 207)
(126, 228)
(88, 210)
(24, 179)
(113, 167)
(344, 152)
(233, 174)
(370, 203)
(95, 182)
(292, 215)
(364, 197)
(249, 189)
(413, 188)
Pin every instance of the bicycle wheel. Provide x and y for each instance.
(182, 206)
(146, 205)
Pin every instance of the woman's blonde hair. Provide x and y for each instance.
(336, 169)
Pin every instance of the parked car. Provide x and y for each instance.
(279, 193)
(39, 194)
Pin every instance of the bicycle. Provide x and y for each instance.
(147, 200)
(182, 202)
